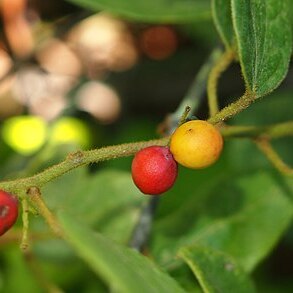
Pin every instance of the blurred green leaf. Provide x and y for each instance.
(188, 184)
(222, 15)
(185, 277)
(263, 35)
(54, 251)
(107, 200)
(215, 271)
(1, 281)
(242, 215)
(190, 203)
(122, 268)
(78, 275)
(17, 274)
(170, 11)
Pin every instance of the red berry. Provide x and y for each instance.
(154, 170)
(8, 211)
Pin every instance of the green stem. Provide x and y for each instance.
(268, 131)
(86, 157)
(233, 109)
(15, 236)
(75, 160)
(25, 225)
(37, 201)
(265, 146)
(222, 64)
(184, 115)
(197, 88)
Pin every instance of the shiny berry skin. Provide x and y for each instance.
(154, 170)
(196, 144)
(8, 211)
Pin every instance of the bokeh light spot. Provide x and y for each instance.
(24, 134)
(159, 42)
(100, 100)
(69, 130)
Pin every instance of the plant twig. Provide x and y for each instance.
(86, 157)
(36, 199)
(267, 131)
(25, 225)
(15, 236)
(234, 108)
(221, 65)
(195, 93)
(143, 227)
(265, 146)
(184, 115)
(75, 160)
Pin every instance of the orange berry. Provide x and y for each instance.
(196, 144)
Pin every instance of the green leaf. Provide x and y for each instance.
(263, 35)
(16, 268)
(191, 181)
(107, 200)
(122, 268)
(215, 271)
(244, 216)
(222, 15)
(170, 11)
(1, 281)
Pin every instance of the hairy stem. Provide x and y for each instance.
(75, 160)
(222, 64)
(16, 235)
(184, 115)
(233, 109)
(25, 225)
(265, 146)
(196, 91)
(267, 131)
(81, 158)
(37, 201)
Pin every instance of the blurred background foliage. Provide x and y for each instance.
(84, 74)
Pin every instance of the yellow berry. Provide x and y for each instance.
(196, 144)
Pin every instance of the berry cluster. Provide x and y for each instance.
(195, 144)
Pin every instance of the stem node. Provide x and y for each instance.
(76, 157)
